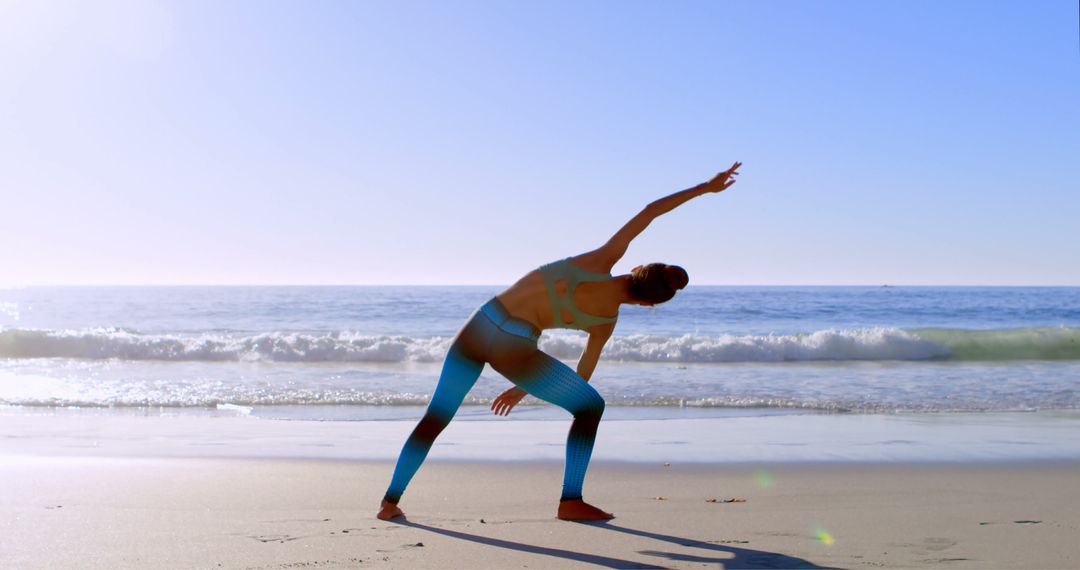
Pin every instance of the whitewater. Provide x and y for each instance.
(327, 352)
(1046, 343)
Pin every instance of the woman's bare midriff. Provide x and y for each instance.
(528, 299)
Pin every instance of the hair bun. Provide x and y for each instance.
(675, 277)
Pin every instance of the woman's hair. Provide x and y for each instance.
(657, 282)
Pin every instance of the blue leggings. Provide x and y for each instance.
(508, 343)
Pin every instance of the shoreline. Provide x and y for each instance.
(948, 438)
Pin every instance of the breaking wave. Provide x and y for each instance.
(880, 343)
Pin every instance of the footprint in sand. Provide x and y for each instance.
(403, 546)
(264, 538)
(482, 521)
(357, 531)
(938, 544)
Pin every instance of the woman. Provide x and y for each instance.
(577, 292)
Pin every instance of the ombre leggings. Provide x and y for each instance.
(508, 343)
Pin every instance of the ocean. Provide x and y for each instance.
(719, 374)
(374, 352)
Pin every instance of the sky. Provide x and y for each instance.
(905, 142)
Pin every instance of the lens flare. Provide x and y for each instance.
(763, 478)
(823, 536)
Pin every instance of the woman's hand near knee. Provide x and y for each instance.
(507, 400)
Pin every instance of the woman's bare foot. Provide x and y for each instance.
(388, 510)
(578, 510)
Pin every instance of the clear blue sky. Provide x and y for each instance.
(906, 142)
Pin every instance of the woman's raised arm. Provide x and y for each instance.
(612, 251)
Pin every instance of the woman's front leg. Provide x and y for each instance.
(547, 378)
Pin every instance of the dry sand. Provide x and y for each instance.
(234, 513)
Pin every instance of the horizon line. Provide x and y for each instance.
(879, 285)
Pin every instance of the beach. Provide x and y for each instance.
(257, 427)
(97, 489)
(92, 512)
(267, 264)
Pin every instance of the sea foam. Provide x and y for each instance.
(881, 343)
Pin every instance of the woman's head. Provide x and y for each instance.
(656, 283)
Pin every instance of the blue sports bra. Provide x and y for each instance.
(572, 274)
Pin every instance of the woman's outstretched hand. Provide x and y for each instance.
(507, 400)
(722, 181)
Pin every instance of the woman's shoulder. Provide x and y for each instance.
(587, 266)
(592, 262)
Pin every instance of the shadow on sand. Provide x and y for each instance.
(735, 557)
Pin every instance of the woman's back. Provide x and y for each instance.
(529, 298)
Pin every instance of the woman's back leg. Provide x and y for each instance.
(459, 374)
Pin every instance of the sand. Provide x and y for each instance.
(107, 512)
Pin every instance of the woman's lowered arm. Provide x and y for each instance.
(598, 337)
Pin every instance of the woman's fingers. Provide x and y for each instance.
(505, 402)
(503, 408)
